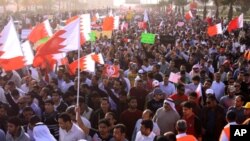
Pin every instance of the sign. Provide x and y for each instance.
(111, 71)
(103, 33)
(167, 39)
(92, 36)
(173, 77)
(148, 38)
(25, 33)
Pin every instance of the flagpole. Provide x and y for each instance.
(78, 75)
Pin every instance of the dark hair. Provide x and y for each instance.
(170, 136)
(11, 83)
(65, 117)
(49, 101)
(231, 116)
(112, 114)
(27, 109)
(122, 128)
(187, 104)
(211, 97)
(14, 92)
(34, 120)
(131, 98)
(209, 80)
(180, 87)
(15, 120)
(31, 94)
(104, 99)
(104, 121)
(148, 124)
(160, 138)
(242, 98)
(57, 91)
(181, 126)
(193, 94)
(196, 78)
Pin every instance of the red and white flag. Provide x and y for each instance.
(116, 22)
(40, 31)
(142, 25)
(98, 58)
(161, 24)
(86, 64)
(85, 28)
(108, 23)
(199, 90)
(189, 15)
(124, 26)
(214, 30)
(27, 52)
(111, 70)
(235, 23)
(145, 17)
(11, 56)
(64, 40)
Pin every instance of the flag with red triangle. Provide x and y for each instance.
(214, 30)
(108, 23)
(40, 31)
(199, 90)
(189, 15)
(86, 64)
(64, 40)
(11, 56)
(235, 23)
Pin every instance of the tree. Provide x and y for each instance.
(230, 3)
(3, 3)
(27, 4)
(244, 5)
(180, 5)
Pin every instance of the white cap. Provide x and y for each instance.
(155, 83)
(209, 91)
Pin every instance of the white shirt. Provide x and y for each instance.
(74, 134)
(168, 89)
(65, 86)
(2, 96)
(24, 88)
(219, 89)
(140, 137)
(86, 122)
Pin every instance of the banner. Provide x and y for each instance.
(92, 36)
(167, 39)
(148, 38)
(103, 33)
(111, 71)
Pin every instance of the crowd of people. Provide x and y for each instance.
(141, 104)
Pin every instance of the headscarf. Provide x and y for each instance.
(41, 133)
(170, 101)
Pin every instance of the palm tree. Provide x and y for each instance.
(216, 2)
(230, 3)
(180, 5)
(244, 4)
(3, 3)
(27, 4)
(205, 8)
